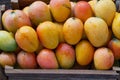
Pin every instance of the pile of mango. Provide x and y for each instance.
(61, 35)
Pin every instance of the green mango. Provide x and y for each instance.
(7, 41)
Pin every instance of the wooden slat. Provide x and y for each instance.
(61, 71)
(116, 68)
(62, 74)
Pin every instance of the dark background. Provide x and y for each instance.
(6, 2)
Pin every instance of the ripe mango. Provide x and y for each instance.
(116, 25)
(65, 54)
(103, 58)
(27, 39)
(7, 41)
(73, 30)
(60, 9)
(83, 56)
(60, 31)
(39, 12)
(48, 34)
(97, 31)
(105, 9)
(46, 59)
(14, 19)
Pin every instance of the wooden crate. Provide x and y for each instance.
(10, 73)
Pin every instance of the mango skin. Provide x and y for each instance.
(103, 58)
(46, 59)
(14, 19)
(83, 56)
(26, 60)
(65, 54)
(39, 12)
(7, 58)
(60, 31)
(102, 8)
(27, 39)
(59, 8)
(116, 25)
(114, 45)
(73, 27)
(7, 41)
(97, 31)
(48, 34)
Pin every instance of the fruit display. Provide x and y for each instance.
(61, 34)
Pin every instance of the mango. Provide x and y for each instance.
(103, 58)
(83, 56)
(27, 39)
(60, 31)
(14, 19)
(92, 4)
(83, 10)
(7, 41)
(105, 9)
(48, 34)
(116, 25)
(46, 59)
(39, 12)
(97, 31)
(114, 45)
(26, 60)
(65, 54)
(7, 59)
(25, 10)
(73, 27)
(60, 9)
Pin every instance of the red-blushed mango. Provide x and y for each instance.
(103, 58)
(27, 39)
(14, 19)
(7, 59)
(83, 10)
(65, 54)
(26, 60)
(84, 52)
(114, 45)
(60, 9)
(39, 12)
(97, 31)
(73, 30)
(48, 34)
(47, 60)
